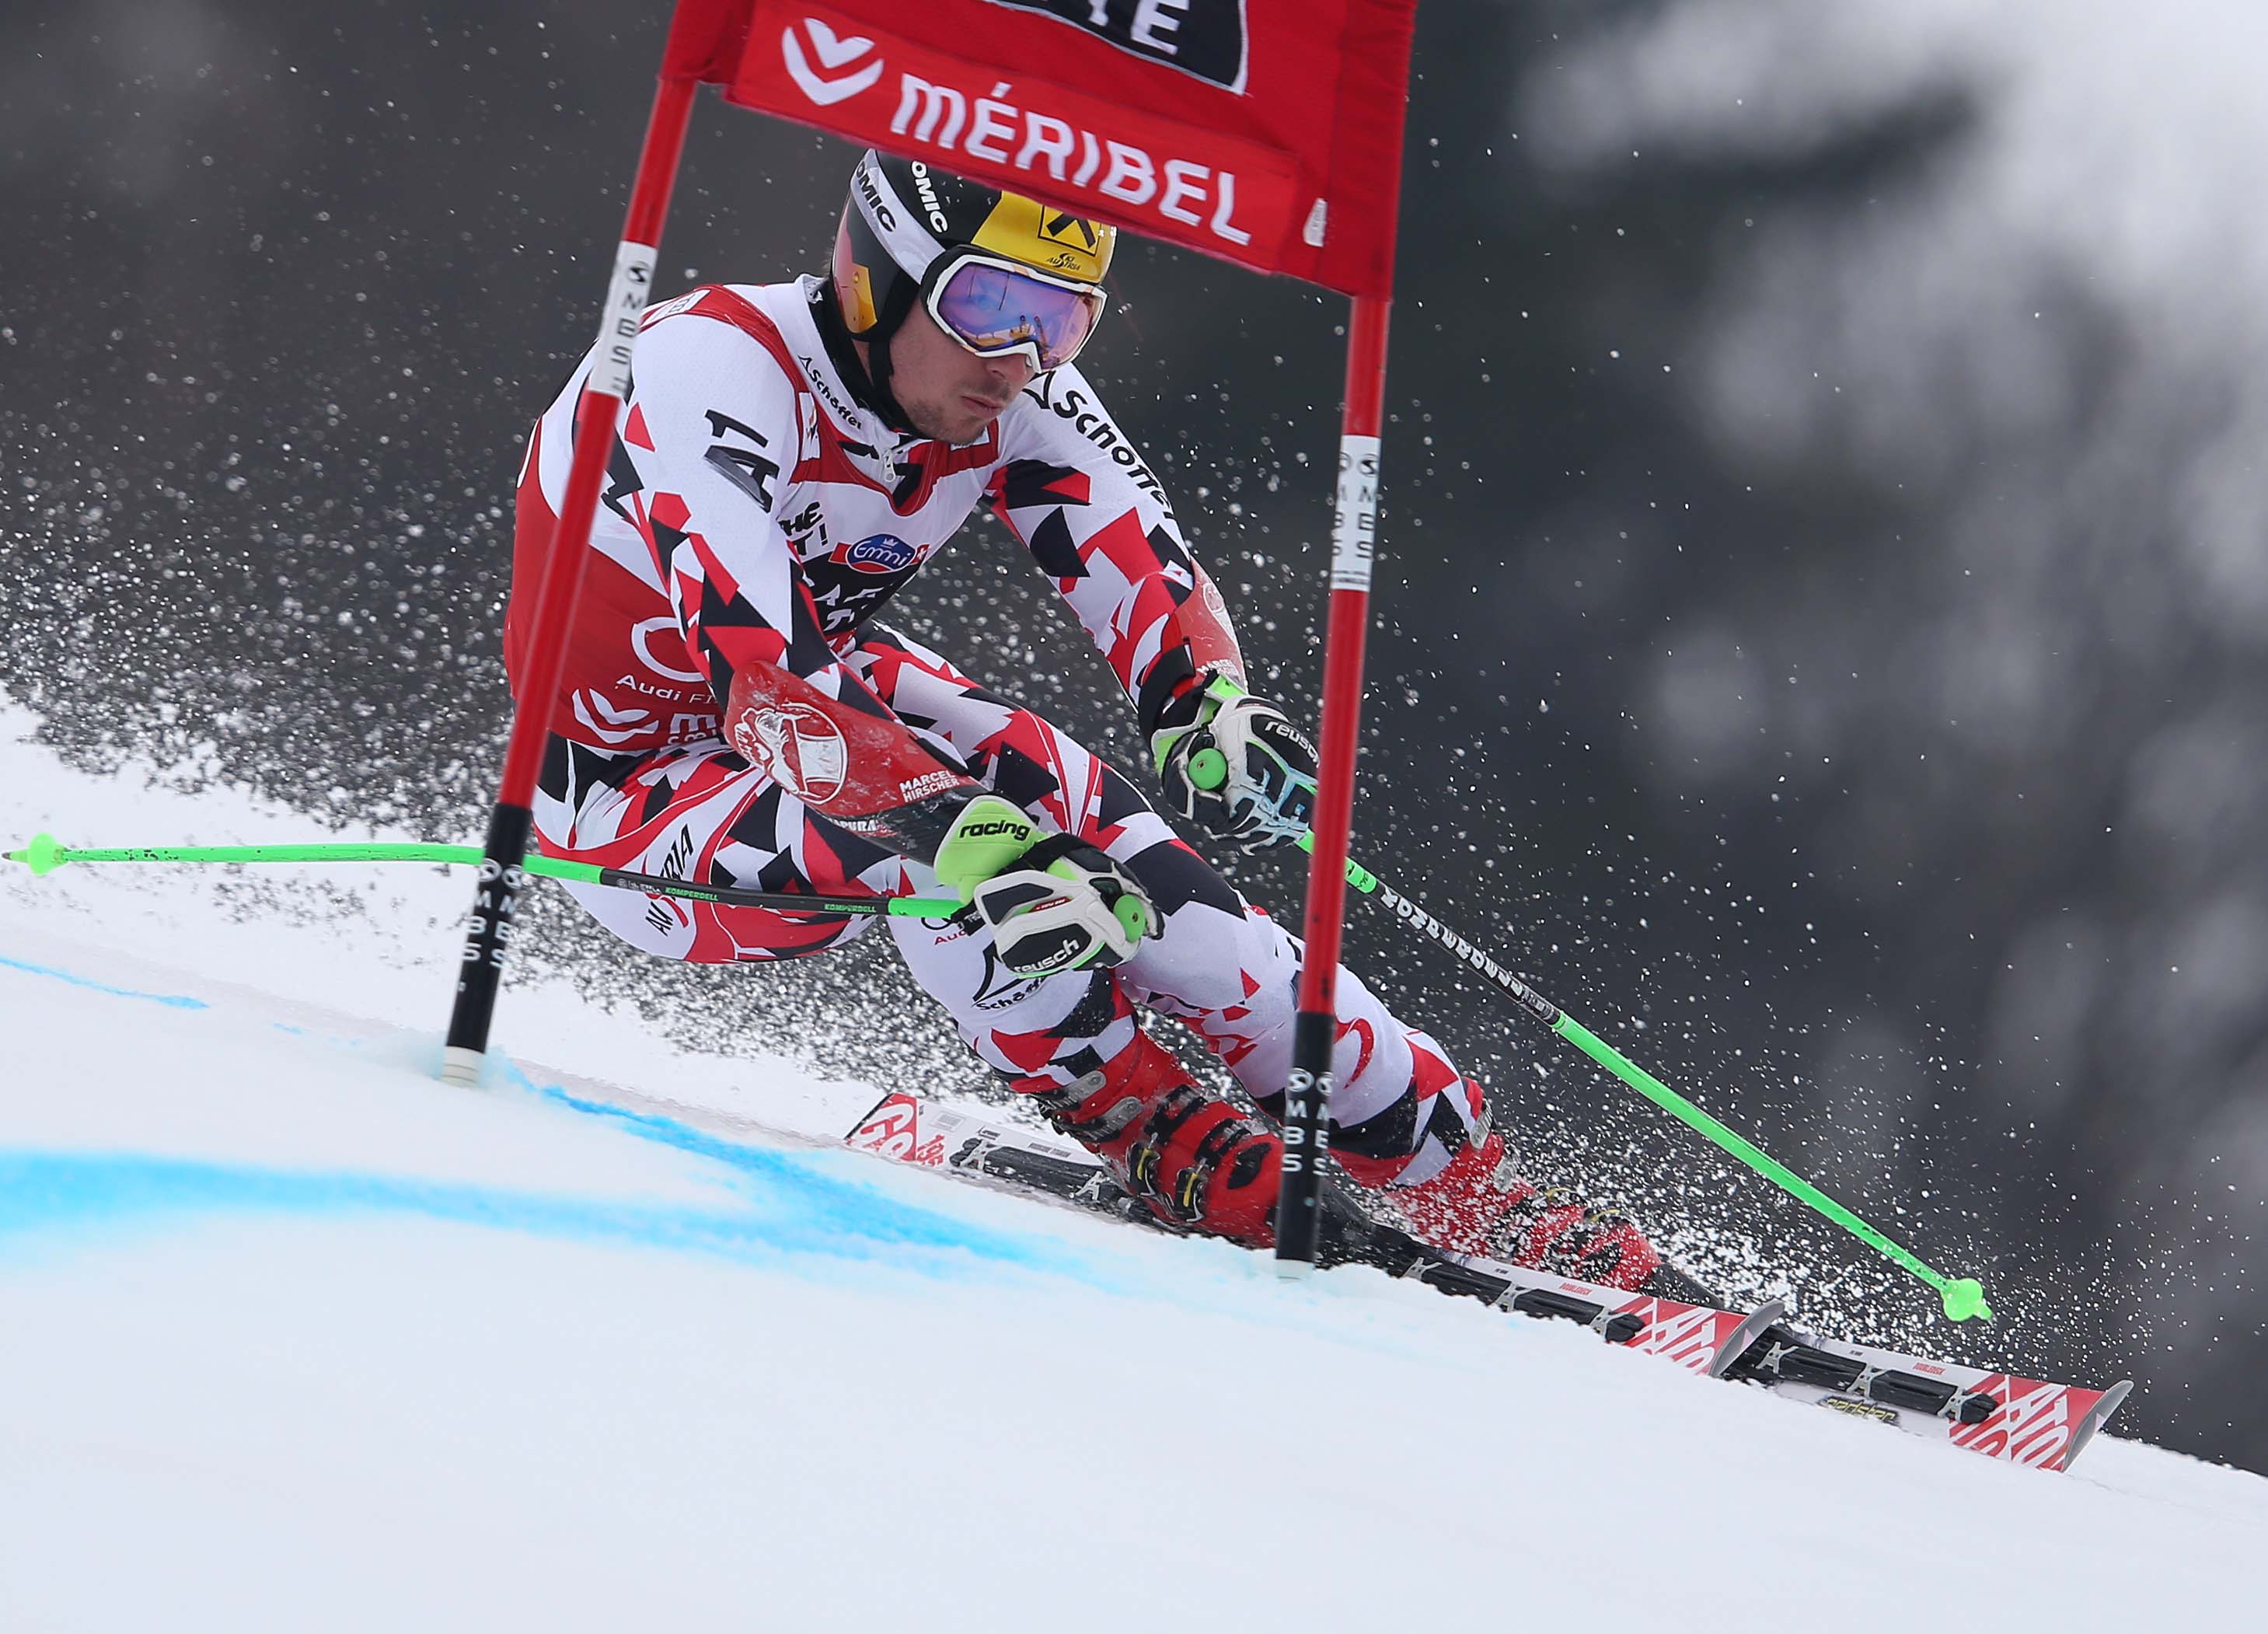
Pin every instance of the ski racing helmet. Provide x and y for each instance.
(1001, 273)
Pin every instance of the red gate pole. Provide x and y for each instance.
(1306, 1097)
(487, 931)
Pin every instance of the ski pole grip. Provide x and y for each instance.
(1209, 767)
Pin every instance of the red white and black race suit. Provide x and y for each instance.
(732, 713)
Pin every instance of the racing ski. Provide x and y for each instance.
(2023, 1421)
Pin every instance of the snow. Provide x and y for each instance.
(298, 1338)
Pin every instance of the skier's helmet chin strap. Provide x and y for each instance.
(901, 306)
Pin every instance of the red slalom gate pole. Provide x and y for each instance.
(1306, 1097)
(487, 931)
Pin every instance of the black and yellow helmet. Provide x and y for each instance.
(906, 224)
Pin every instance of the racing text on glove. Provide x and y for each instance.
(1053, 902)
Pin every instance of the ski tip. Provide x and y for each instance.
(2097, 1416)
(1737, 1343)
(42, 856)
(1964, 1298)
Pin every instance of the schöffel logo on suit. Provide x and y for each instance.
(879, 553)
(1205, 38)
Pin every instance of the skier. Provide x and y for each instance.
(732, 712)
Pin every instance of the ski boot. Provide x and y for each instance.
(1188, 1156)
(1480, 1205)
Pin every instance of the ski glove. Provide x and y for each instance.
(1053, 901)
(1236, 765)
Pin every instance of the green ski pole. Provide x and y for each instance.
(44, 854)
(1962, 1297)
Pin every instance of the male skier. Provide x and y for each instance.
(732, 712)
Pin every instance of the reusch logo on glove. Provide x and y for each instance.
(1072, 946)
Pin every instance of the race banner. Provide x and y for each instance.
(1266, 132)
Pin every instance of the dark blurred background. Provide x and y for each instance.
(1824, 617)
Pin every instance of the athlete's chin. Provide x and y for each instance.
(964, 422)
(976, 416)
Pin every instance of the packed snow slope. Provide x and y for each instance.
(296, 1337)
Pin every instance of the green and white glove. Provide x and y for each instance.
(1237, 765)
(1053, 902)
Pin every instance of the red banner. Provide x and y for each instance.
(1267, 132)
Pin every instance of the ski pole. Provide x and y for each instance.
(1963, 1297)
(45, 854)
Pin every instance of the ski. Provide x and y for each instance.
(2023, 1421)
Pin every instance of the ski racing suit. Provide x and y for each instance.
(732, 712)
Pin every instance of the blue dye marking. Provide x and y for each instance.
(171, 1000)
(793, 1206)
(827, 1200)
(42, 1191)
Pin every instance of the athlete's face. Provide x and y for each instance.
(947, 391)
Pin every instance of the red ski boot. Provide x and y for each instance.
(1478, 1205)
(1178, 1147)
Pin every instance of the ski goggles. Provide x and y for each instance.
(995, 307)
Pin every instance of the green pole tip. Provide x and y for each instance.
(43, 855)
(1964, 1298)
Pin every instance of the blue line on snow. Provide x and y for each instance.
(171, 1000)
(800, 1217)
(759, 1162)
(800, 1214)
(794, 1207)
(851, 1206)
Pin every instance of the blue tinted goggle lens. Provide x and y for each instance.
(990, 309)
